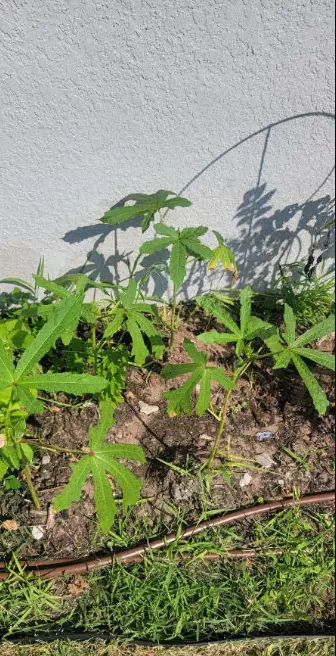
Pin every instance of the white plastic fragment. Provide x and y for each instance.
(264, 435)
(264, 460)
(146, 409)
(245, 480)
(37, 532)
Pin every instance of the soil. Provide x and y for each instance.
(270, 412)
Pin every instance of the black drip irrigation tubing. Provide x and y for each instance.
(107, 637)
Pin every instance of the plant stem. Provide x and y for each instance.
(31, 487)
(220, 429)
(223, 415)
(94, 347)
(173, 315)
(63, 405)
(15, 443)
(55, 449)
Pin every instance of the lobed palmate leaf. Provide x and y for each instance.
(180, 400)
(103, 460)
(285, 349)
(145, 205)
(129, 315)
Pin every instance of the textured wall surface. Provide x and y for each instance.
(100, 98)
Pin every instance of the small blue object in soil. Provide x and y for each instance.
(264, 435)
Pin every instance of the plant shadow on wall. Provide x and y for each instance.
(268, 238)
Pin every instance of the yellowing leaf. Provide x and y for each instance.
(223, 255)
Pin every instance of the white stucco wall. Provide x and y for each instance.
(101, 98)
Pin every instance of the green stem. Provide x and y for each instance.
(63, 405)
(20, 455)
(94, 347)
(223, 416)
(54, 449)
(220, 429)
(31, 487)
(173, 315)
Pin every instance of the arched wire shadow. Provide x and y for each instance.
(269, 239)
(267, 129)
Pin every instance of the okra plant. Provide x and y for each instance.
(20, 387)
(254, 339)
(62, 342)
(185, 245)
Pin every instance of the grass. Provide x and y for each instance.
(163, 599)
(248, 648)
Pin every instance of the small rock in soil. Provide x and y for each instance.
(10, 525)
(246, 480)
(264, 460)
(37, 532)
(206, 437)
(147, 409)
(45, 460)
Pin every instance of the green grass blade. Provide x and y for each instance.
(316, 392)
(20, 282)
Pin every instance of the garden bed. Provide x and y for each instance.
(271, 416)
